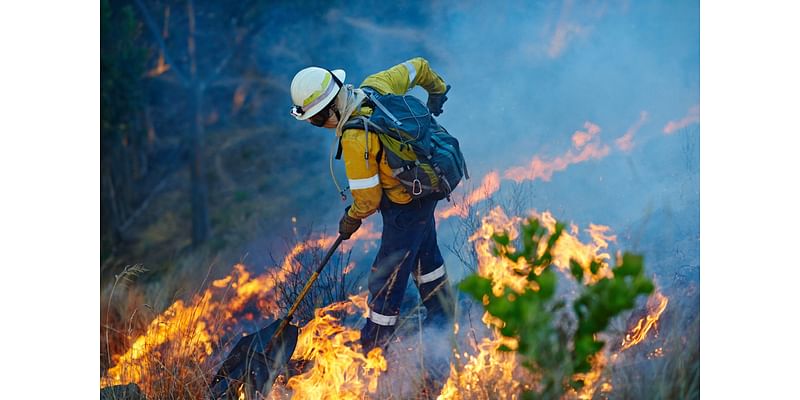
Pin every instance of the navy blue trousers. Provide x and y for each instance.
(408, 249)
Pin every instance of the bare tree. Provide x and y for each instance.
(204, 71)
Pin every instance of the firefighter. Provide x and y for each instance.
(408, 241)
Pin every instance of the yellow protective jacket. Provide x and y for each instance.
(370, 180)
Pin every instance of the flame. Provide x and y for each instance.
(500, 371)
(656, 305)
(569, 246)
(591, 378)
(188, 332)
(580, 138)
(349, 268)
(625, 142)
(585, 142)
(239, 96)
(489, 185)
(160, 68)
(500, 270)
(488, 368)
(335, 366)
(691, 117)
(366, 235)
(544, 169)
(340, 370)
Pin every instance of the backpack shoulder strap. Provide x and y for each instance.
(352, 123)
(339, 149)
(383, 108)
(362, 122)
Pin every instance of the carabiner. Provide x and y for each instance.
(414, 185)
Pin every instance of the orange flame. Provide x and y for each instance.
(656, 305)
(570, 247)
(691, 117)
(366, 235)
(497, 370)
(580, 138)
(583, 141)
(239, 96)
(591, 378)
(543, 169)
(489, 367)
(187, 333)
(340, 370)
(625, 142)
(489, 185)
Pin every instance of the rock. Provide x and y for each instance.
(122, 392)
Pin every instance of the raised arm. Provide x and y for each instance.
(403, 77)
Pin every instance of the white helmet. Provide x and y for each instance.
(313, 88)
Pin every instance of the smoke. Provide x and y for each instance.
(546, 96)
(420, 355)
(523, 76)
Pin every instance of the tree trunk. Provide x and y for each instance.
(200, 224)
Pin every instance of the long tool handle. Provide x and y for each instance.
(313, 277)
(310, 282)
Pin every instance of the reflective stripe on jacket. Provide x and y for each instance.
(367, 178)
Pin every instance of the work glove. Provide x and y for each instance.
(435, 101)
(348, 225)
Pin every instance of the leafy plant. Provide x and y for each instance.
(557, 351)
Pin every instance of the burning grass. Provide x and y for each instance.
(179, 349)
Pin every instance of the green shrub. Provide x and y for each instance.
(552, 342)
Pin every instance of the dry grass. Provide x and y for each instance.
(675, 375)
(639, 373)
(181, 364)
(667, 364)
(334, 284)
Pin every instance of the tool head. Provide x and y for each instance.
(254, 363)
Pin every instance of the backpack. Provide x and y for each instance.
(423, 156)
